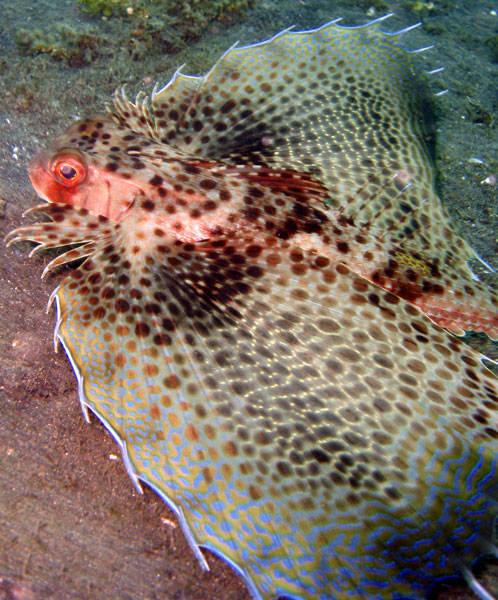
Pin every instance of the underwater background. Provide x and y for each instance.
(71, 523)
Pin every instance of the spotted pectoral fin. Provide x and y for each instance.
(289, 101)
(320, 434)
(264, 399)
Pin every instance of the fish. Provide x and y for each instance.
(264, 314)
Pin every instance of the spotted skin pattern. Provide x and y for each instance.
(238, 327)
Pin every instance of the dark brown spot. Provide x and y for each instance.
(99, 312)
(207, 184)
(121, 305)
(255, 492)
(148, 205)
(108, 293)
(254, 250)
(142, 329)
(162, 339)
(152, 308)
(320, 456)
(209, 205)
(254, 271)
(228, 106)
(284, 468)
(342, 246)
(171, 382)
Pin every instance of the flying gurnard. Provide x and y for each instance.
(261, 309)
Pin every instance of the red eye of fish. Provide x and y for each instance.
(69, 170)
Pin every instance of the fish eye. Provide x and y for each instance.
(68, 169)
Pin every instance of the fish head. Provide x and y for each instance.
(104, 167)
(75, 170)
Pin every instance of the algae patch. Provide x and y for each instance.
(77, 47)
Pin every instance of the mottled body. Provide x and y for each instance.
(261, 245)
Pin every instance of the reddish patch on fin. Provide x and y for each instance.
(445, 302)
(288, 181)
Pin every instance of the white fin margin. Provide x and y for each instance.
(481, 592)
(129, 468)
(85, 406)
(156, 91)
(405, 29)
(434, 71)
(486, 264)
(196, 548)
(420, 50)
(53, 296)
(187, 531)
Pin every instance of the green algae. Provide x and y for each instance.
(105, 8)
(190, 15)
(77, 47)
(144, 26)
